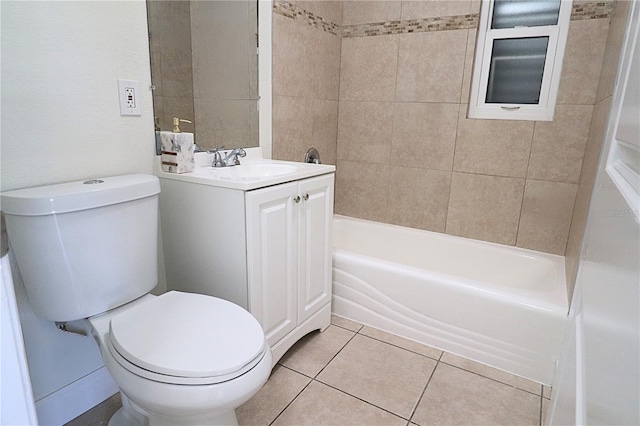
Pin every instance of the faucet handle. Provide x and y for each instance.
(217, 158)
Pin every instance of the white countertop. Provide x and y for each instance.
(204, 174)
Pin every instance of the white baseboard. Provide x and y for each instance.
(76, 398)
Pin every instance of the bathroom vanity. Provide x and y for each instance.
(259, 235)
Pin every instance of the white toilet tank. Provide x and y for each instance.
(85, 247)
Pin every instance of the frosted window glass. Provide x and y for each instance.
(525, 13)
(515, 74)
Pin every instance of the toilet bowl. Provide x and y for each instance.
(88, 250)
(182, 358)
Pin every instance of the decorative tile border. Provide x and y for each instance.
(579, 12)
(459, 22)
(292, 11)
(594, 10)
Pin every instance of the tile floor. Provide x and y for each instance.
(357, 375)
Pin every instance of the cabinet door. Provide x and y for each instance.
(272, 258)
(315, 217)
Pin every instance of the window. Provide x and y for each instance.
(519, 59)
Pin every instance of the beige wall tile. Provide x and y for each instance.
(223, 45)
(546, 216)
(281, 388)
(485, 207)
(179, 107)
(330, 11)
(222, 122)
(418, 198)
(434, 8)
(612, 49)
(325, 129)
(158, 112)
(424, 135)
(492, 147)
(320, 404)
(364, 131)
(381, 374)
(292, 127)
(361, 190)
(430, 66)
(326, 65)
(468, 65)
(458, 397)
(365, 12)
(559, 145)
(582, 61)
(293, 57)
(368, 68)
(585, 188)
(177, 77)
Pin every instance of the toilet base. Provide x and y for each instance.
(131, 415)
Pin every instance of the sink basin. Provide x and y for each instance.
(252, 171)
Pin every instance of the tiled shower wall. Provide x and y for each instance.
(406, 153)
(306, 78)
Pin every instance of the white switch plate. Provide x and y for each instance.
(129, 91)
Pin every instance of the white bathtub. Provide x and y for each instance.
(498, 305)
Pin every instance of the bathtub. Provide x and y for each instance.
(502, 306)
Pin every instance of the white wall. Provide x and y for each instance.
(61, 122)
(598, 379)
(61, 62)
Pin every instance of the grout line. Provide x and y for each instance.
(291, 402)
(401, 347)
(333, 357)
(540, 413)
(492, 379)
(360, 399)
(415, 407)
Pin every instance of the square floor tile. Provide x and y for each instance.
(320, 404)
(407, 344)
(381, 374)
(281, 388)
(312, 353)
(458, 397)
(492, 373)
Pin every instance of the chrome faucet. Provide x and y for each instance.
(230, 160)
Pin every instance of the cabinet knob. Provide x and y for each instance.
(306, 197)
(297, 199)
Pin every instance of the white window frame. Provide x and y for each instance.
(545, 109)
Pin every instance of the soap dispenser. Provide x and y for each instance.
(177, 149)
(176, 124)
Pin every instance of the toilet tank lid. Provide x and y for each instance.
(80, 195)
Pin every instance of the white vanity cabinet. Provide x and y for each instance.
(289, 256)
(266, 249)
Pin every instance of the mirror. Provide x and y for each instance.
(204, 68)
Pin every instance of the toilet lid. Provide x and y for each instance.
(188, 335)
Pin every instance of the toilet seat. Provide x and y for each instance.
(186, 338)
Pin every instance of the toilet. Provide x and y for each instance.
(88, 251)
